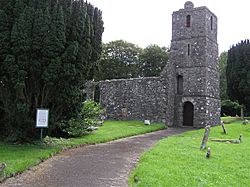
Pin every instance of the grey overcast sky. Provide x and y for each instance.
(145, 22)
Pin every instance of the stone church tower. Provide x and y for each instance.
(192, 73)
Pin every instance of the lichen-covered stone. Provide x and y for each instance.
(135, 99)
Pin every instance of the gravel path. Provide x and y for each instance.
(102, 165)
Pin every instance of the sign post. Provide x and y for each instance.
(42, 120)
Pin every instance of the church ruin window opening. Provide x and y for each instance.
(211, 19)
(188, 21)
(188, 49)
(179, 84)
(97, 93)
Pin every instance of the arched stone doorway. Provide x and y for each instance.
(188, 114)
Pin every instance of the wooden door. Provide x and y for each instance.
(188, 114)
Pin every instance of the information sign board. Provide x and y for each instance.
(42, 118)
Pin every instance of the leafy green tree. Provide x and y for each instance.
(152, 60)
(120, 59)
(238, 73)
(223, 78)
(47, 49)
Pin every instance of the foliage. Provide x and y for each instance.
(48, 49)
(92, 111)
(230, 119)
(52, 141)
(230, 108)
(20, 157)
(177, 160)
(223, 78)
(238, 73)
(152, 60)
(120, 59)
(90, 114)
(75, 127)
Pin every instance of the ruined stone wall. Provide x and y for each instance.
(135, 99)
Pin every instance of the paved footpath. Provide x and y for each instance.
(102, 165)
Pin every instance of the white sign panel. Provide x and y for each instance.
(42, 118)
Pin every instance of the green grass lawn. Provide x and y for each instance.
(113, 130)
(177, 161)
(20, 157)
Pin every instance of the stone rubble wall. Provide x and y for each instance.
(135, 99)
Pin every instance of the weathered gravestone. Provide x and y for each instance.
(223, 127)
(205, 137)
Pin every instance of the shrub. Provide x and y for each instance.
(52, 141)
(230, 108)
(91, 114)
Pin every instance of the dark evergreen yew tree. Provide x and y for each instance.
(48, 49)
(238, 73)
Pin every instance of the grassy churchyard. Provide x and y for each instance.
(20, 157)
(174, 161)
(178, 161)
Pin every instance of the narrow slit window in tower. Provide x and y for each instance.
(179, 84)
(188, 49)
(211, 22)
(188, 21)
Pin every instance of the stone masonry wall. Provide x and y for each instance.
(135, 99)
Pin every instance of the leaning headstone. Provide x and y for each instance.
(146, 122)
(226, 140)
(205, 137)
(208, 154)
(223, 127)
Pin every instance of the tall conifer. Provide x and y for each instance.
(45, 58)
